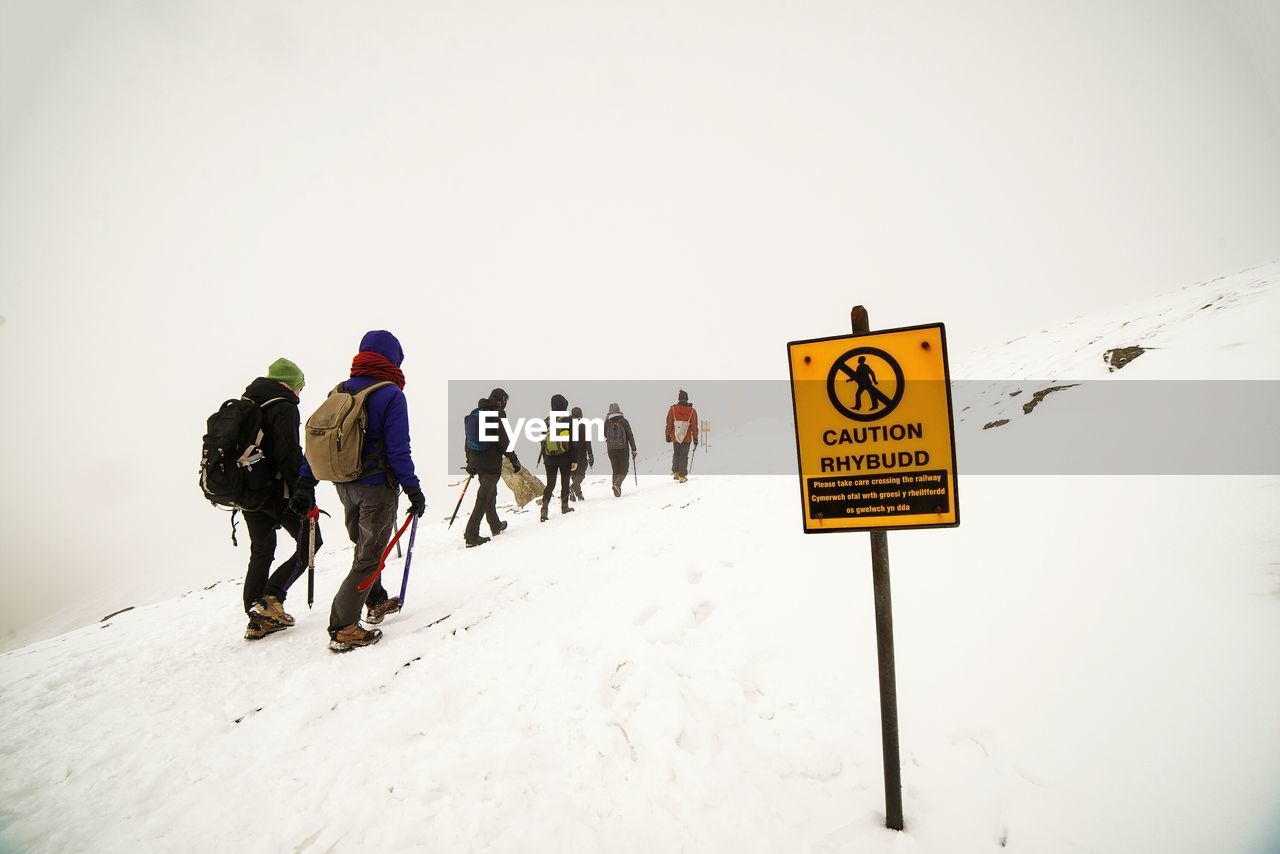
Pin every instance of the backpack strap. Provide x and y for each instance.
(383, 465)
(261, 405)
(368, 390)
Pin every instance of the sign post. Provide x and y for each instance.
(876, 450)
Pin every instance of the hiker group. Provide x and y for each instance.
(253, 463)
(565, 452)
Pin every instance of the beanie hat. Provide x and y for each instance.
(288, 373)
(684, 396)
(559, 403)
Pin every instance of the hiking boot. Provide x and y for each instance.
(682, 478)
(565, 508)
(378, 612)
(502, 526)
(354, 635)
(478, 541)
(543, 517)
(617, 491)
(269, 609)
(581, 497)
(675, 475)
(260, 629)
(573, 496)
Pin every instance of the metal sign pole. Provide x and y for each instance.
(884, 649)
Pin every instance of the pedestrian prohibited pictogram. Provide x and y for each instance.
(874, 395)
(874, 436)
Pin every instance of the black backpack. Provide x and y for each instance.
(234, 471)
(615, 435)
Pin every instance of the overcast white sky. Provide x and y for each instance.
(557, 189)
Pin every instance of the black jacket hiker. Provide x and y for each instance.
(585, 458)
(486, 466)
(621, 445)
(280, 421)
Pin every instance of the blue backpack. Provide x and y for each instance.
(471, 426)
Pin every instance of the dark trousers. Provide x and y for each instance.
(486, 504)
(620, 460)
(559, 464)
(576, 478)
(370, 514)
(262, 526)
(680, 459)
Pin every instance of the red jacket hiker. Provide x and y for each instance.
(682, 423)
(682, 431)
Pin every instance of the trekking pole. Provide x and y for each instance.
(404, 581)
(456, 506)
(691, 456)
(635, 469)
(313, 518)
(373, 576)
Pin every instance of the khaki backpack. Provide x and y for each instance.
(335, 435)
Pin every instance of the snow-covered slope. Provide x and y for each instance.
(1087, 664)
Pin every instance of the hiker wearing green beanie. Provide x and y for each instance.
(284, 504)
(282, 370)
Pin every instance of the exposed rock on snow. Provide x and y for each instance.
(1117, 357)
(1042, 394)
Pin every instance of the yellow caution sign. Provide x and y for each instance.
(874, 432)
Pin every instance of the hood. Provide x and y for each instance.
(683, 396)
(499, 396)
(559, 403)
(262, 389)
(384, 343)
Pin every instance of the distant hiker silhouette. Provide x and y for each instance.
(867, 382)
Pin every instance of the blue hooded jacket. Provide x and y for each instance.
(387, 429)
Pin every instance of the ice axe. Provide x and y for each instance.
(408, 559)
(309, 522)
(313, 516)
(456, 506)
(382, 562)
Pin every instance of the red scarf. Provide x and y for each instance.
(370, 364)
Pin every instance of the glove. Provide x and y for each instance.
(417, 501)
(591, 461)
(471, 470)
(302, 500)
(515, 464)
(668, 440)
(695, 443)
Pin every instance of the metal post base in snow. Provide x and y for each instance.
(884, 648)
(888, 680)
